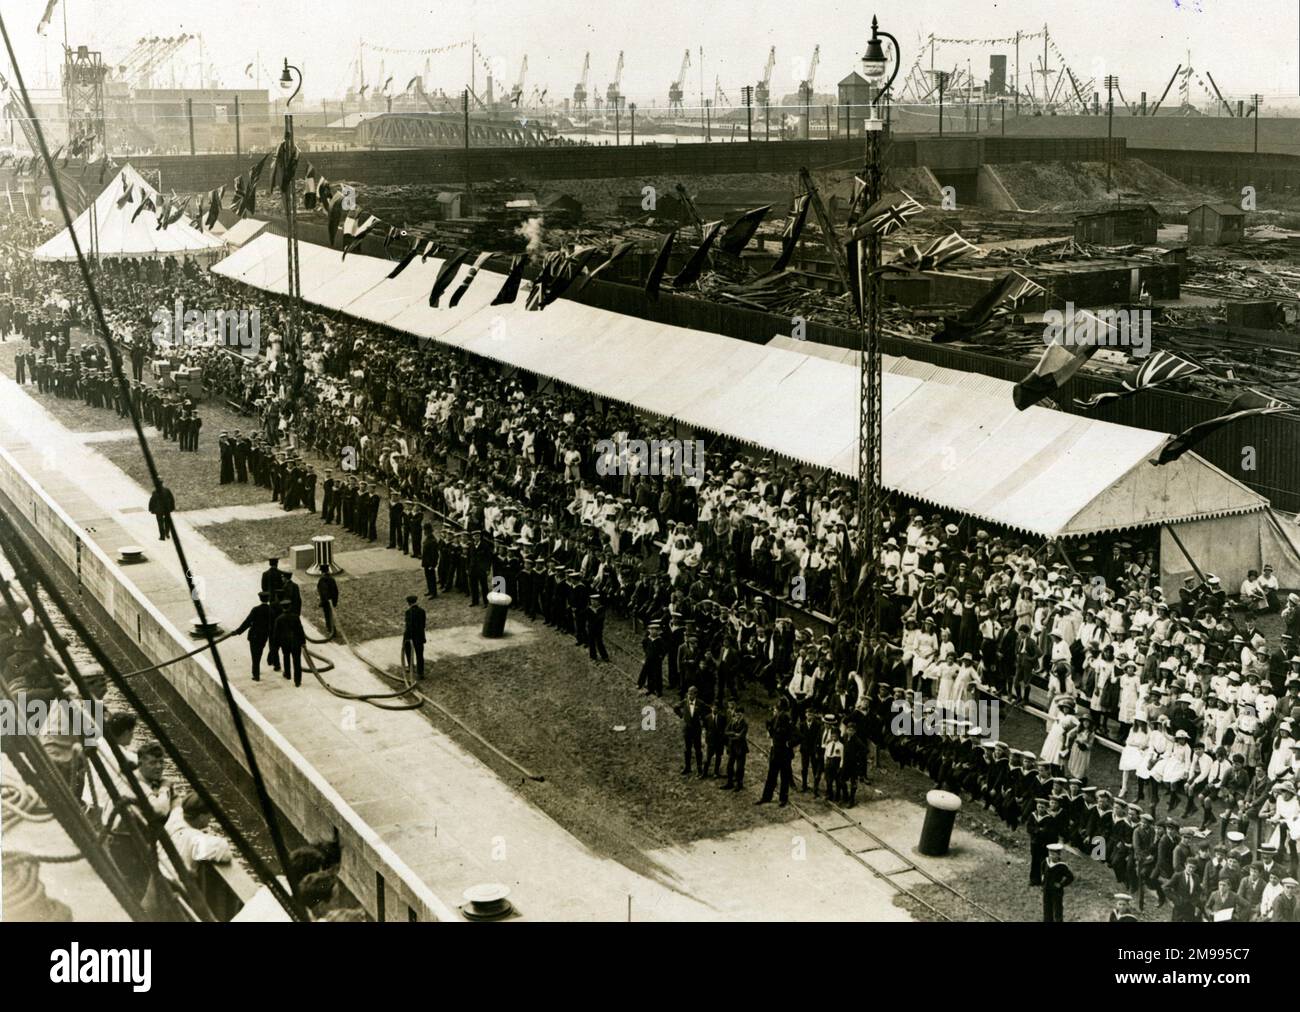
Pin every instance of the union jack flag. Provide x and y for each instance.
(941, 251)
(1159, 368)
(888, 214)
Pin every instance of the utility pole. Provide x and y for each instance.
(748, 92)
(708, 124)
(1111, 82)
(1017, 72)
(632, 108)
(1256, 99)
(617, 138)
(465, 103)
(767, 121)
(943, 82)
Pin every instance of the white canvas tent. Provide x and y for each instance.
(106, 230)
(951, 439)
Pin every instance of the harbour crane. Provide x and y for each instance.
(806, 85)
(613, 96)
(676, 89)
(763, 92)
(517, 92)
(580, 89)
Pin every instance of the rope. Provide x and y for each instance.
(20, 803)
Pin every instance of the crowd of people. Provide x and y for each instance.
(741, 577)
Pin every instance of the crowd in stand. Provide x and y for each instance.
(491, 475)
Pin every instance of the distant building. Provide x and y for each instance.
(1215, 224)
(855, 97)
(561, 208)
(1118, 226)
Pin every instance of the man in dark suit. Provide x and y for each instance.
(429, 561)
(327, 590)
(715, 739)
(258, 624)
(781, 730)
(692, 711)
(595, 626)
(162, 504)
(413, 636)
(290, 638)
(273, 579)
(478, 567)
(1184, 892)
(737, 747)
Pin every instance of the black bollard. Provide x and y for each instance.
(941, 808)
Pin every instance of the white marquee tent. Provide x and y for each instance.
(109, 231)
(951, 439)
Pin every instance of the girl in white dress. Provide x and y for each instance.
(1158, 744)
(1129, 682)
(1130, 760)
(1175, 766)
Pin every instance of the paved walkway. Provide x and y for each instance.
(447, 815)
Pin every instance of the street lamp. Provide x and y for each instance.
(287, 81)
(870, 489)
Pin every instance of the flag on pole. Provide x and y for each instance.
(128, 194)
(620, 250)
(215, 196)
(1244, 405)
(463, 287)
(446, 273)
(355, 230)
(311, 188)
(742, 230)
(146, 204)
(888, 214)
(1060, 361)
(790, 236)
(510, 287)
(695, 265)
(1159, 368)
(943, 250)
(405, 262)
(977, 317)
(567, 270)
(46, 17)
(660, 265)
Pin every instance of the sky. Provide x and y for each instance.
(1247, 45)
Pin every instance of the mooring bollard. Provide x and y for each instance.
(494, 622)
(941, 808)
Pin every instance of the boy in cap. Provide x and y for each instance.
(1057, 876)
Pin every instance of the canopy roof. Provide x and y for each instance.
(118, 235)
(951, 439)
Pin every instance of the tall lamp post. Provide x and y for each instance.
(287, 81)
(870, 487)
